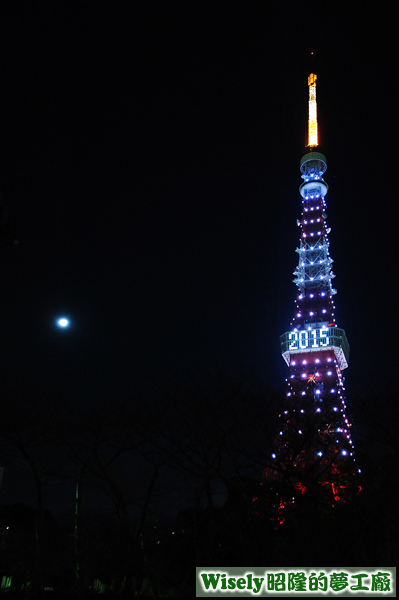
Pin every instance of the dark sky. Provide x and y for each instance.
(150, 169)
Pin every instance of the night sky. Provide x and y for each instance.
(150, 171)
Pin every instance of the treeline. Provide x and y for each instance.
(164, 481)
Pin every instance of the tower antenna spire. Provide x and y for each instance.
(313, 135)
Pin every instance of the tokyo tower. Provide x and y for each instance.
(314, 452)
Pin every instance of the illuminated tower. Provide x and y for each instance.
(314, 450)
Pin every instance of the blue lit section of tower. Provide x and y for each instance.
(314, 448)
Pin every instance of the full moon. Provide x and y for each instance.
(63, 322)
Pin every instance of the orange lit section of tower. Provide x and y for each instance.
(313, 139)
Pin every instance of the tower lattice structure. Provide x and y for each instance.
(314, 449)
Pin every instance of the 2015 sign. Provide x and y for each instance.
(309, 338)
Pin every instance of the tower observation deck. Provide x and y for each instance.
(314, 448)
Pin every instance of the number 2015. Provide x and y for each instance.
(300, 340)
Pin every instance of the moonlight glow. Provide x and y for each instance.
(63, 322)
